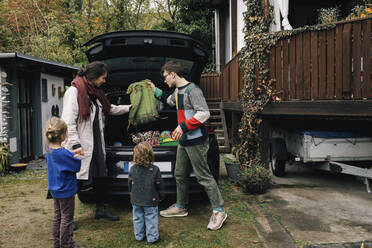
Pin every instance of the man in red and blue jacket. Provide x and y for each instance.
(192, 113)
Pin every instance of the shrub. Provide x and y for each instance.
(360, 11)
(229, 160)
(255, 179)
(328, 15)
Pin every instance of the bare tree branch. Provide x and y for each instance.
(41, 14)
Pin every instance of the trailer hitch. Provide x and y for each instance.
(365, 173)
(368, 182)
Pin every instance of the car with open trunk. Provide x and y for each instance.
(133, 56)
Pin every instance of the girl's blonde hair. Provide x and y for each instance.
(55, 128)
(143, 153)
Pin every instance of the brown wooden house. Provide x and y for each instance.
(325, 76)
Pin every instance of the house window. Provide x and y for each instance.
(44, 90)
(306, 12)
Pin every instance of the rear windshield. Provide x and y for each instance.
(144, 64)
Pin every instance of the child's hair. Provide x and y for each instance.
(54, 129)
(143, 153)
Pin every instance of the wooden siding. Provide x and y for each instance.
(332, 64)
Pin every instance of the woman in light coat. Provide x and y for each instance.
(83, 104)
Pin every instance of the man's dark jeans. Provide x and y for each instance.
(195, 157)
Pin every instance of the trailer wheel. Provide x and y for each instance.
(278, 157)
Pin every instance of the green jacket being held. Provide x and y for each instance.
(143, 103)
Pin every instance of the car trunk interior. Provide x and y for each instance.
(118, 125)
(133, 56)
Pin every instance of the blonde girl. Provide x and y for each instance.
(62, 166)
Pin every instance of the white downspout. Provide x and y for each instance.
(230, 36)
(217, 39)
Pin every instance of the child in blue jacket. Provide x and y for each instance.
(62, 184)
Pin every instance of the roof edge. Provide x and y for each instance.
(40, 60)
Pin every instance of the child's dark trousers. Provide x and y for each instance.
(62, 222)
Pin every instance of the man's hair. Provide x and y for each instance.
(54, 129)
(143, 153)
(174, 66)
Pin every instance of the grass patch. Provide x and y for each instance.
(34, 210)
(25, 207)
(241, 212)
(82, 209)
(185, 232)
(23, 175)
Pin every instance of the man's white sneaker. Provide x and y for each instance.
(174, 211)
(217, 219)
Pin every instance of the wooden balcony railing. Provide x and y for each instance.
(333, 64)
(211, 86)
(325, 65)
(224, 86)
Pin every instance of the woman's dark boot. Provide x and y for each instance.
(103, 212)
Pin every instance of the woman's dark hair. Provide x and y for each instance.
(93, 71)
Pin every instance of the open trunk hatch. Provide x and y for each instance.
(135, 55)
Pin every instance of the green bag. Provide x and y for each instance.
(144, 103)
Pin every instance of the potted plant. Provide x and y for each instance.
(232, 168)
(254, 179)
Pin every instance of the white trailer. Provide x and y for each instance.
(341, 152)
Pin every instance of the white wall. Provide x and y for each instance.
(46, 107)
(241, 8)
(224, 15)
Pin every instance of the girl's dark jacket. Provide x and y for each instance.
(145, 185)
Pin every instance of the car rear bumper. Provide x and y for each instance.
(118, 186)
(117, 183)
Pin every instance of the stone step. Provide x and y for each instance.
(219, 131)
(214, 104)
(224, 149)
(214, 110)
(218, 135)
(213, 123)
